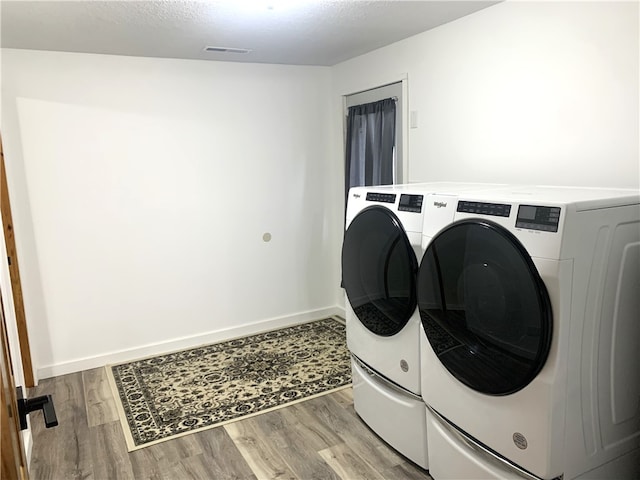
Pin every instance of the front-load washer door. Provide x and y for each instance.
(484, 308)
(379, 269)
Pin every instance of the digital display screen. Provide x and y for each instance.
(527, 212)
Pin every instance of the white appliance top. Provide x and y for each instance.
(581, 198)
(443, 188)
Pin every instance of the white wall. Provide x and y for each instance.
(142, 189)
(521, 92)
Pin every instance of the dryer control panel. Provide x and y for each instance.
(381, 197)
(484, 208)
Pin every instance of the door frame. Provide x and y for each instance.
(14, 273)
(393, 90)
(360, 93)
(14, 463)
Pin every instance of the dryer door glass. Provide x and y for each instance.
(484, 308)
(379, 270)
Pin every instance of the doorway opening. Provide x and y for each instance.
(374, 132)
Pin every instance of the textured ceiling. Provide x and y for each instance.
(299, 32)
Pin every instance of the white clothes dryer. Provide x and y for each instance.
(530, 346)
(381, 248)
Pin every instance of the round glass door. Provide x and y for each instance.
(379, 270)
(484, 308)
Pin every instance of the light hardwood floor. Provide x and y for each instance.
(321, 438)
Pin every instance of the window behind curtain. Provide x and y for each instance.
(370, 149)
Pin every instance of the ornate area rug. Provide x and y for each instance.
(163, 397)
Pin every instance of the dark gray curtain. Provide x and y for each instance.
(371, 134)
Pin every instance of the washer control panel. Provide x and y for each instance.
(410, 203)
(534, 217)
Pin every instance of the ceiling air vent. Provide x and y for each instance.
(227, 50)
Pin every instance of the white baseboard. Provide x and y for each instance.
(185, 342)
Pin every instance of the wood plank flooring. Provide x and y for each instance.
(321, 438)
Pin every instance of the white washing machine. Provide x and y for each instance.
(380, 255)
(529, 299)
